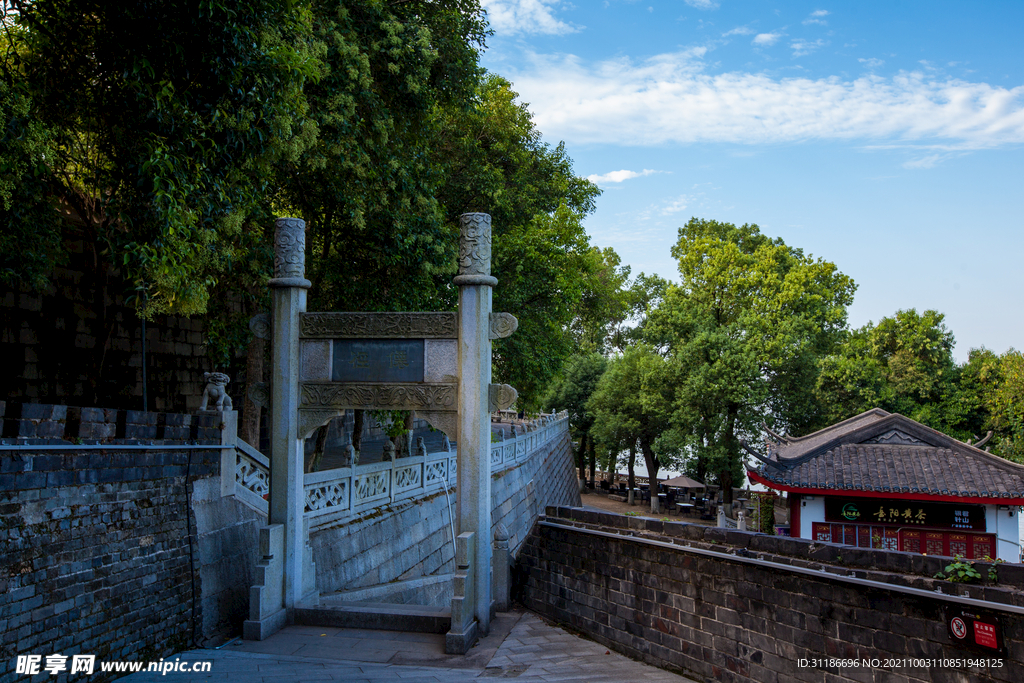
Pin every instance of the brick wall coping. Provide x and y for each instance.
(888, 566)
(29, 447)
(831, 573)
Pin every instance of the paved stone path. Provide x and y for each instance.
(520, 646)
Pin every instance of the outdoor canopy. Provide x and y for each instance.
(683, 482)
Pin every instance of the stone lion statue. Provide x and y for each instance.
(215, 383)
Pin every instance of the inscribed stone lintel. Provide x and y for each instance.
(371, 361)
(382, 396)
(379, 325)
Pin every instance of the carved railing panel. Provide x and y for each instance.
(328, 497)
(251, 475)
(371, 486)
(436, 473)
(408, 477)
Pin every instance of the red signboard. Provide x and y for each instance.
(981, 632)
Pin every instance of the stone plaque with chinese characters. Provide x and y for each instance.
(377, 360)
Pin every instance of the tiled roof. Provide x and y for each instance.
(889, 453)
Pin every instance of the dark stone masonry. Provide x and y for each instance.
(102, 547)
(715, 617)
(77, 341)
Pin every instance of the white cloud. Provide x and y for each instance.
(669, 99)
(816, 17)
(871, 63)
(805, 47)
(702, 4)
(765, 39)
(676, 205)
(619, 176)
(525, 16)
(739, 31)
(924, 162)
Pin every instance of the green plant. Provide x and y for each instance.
(666, 519)
(959, 571)
(632, 513)
(764, 504)
(993, 574)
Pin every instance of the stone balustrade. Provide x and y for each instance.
(348, 492)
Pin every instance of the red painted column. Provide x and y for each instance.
(794, 514)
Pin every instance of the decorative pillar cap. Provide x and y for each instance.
(475, 250)
(290, 253)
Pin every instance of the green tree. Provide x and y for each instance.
(162, 121)
(642, 295)
(605, 304)
(493, 160)
(377, 237)
(905, 365)
(1006, 407)
(743, 332)
(571, 391)
(632, 405)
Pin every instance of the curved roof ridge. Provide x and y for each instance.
(877, 413)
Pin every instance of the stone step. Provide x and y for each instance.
(433, 590)
(379, 616)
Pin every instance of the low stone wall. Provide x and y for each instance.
(227, 535)
(41, 423)
(414, 539)
(740, 606)
(127, 552)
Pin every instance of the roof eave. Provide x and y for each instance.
(889, 495)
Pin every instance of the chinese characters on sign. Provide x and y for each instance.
(378, 360)
(906, 513)
(894, 516)
(981, 632)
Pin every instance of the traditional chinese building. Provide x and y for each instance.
(882, 480)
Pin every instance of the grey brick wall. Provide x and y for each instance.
(76, 343)
(102, 547)
(715, 618)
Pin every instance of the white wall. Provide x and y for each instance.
(1005, 524)
(812, 510)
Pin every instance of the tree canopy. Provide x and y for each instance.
(152, 128)
(743, 332)
(166, 136)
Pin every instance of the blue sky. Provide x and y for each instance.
(885, 137)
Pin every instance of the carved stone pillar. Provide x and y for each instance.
(286, 573)
(474, 436)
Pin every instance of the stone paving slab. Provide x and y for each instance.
(521, 646)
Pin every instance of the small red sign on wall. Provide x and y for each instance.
(985, 635)
(976, 631)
